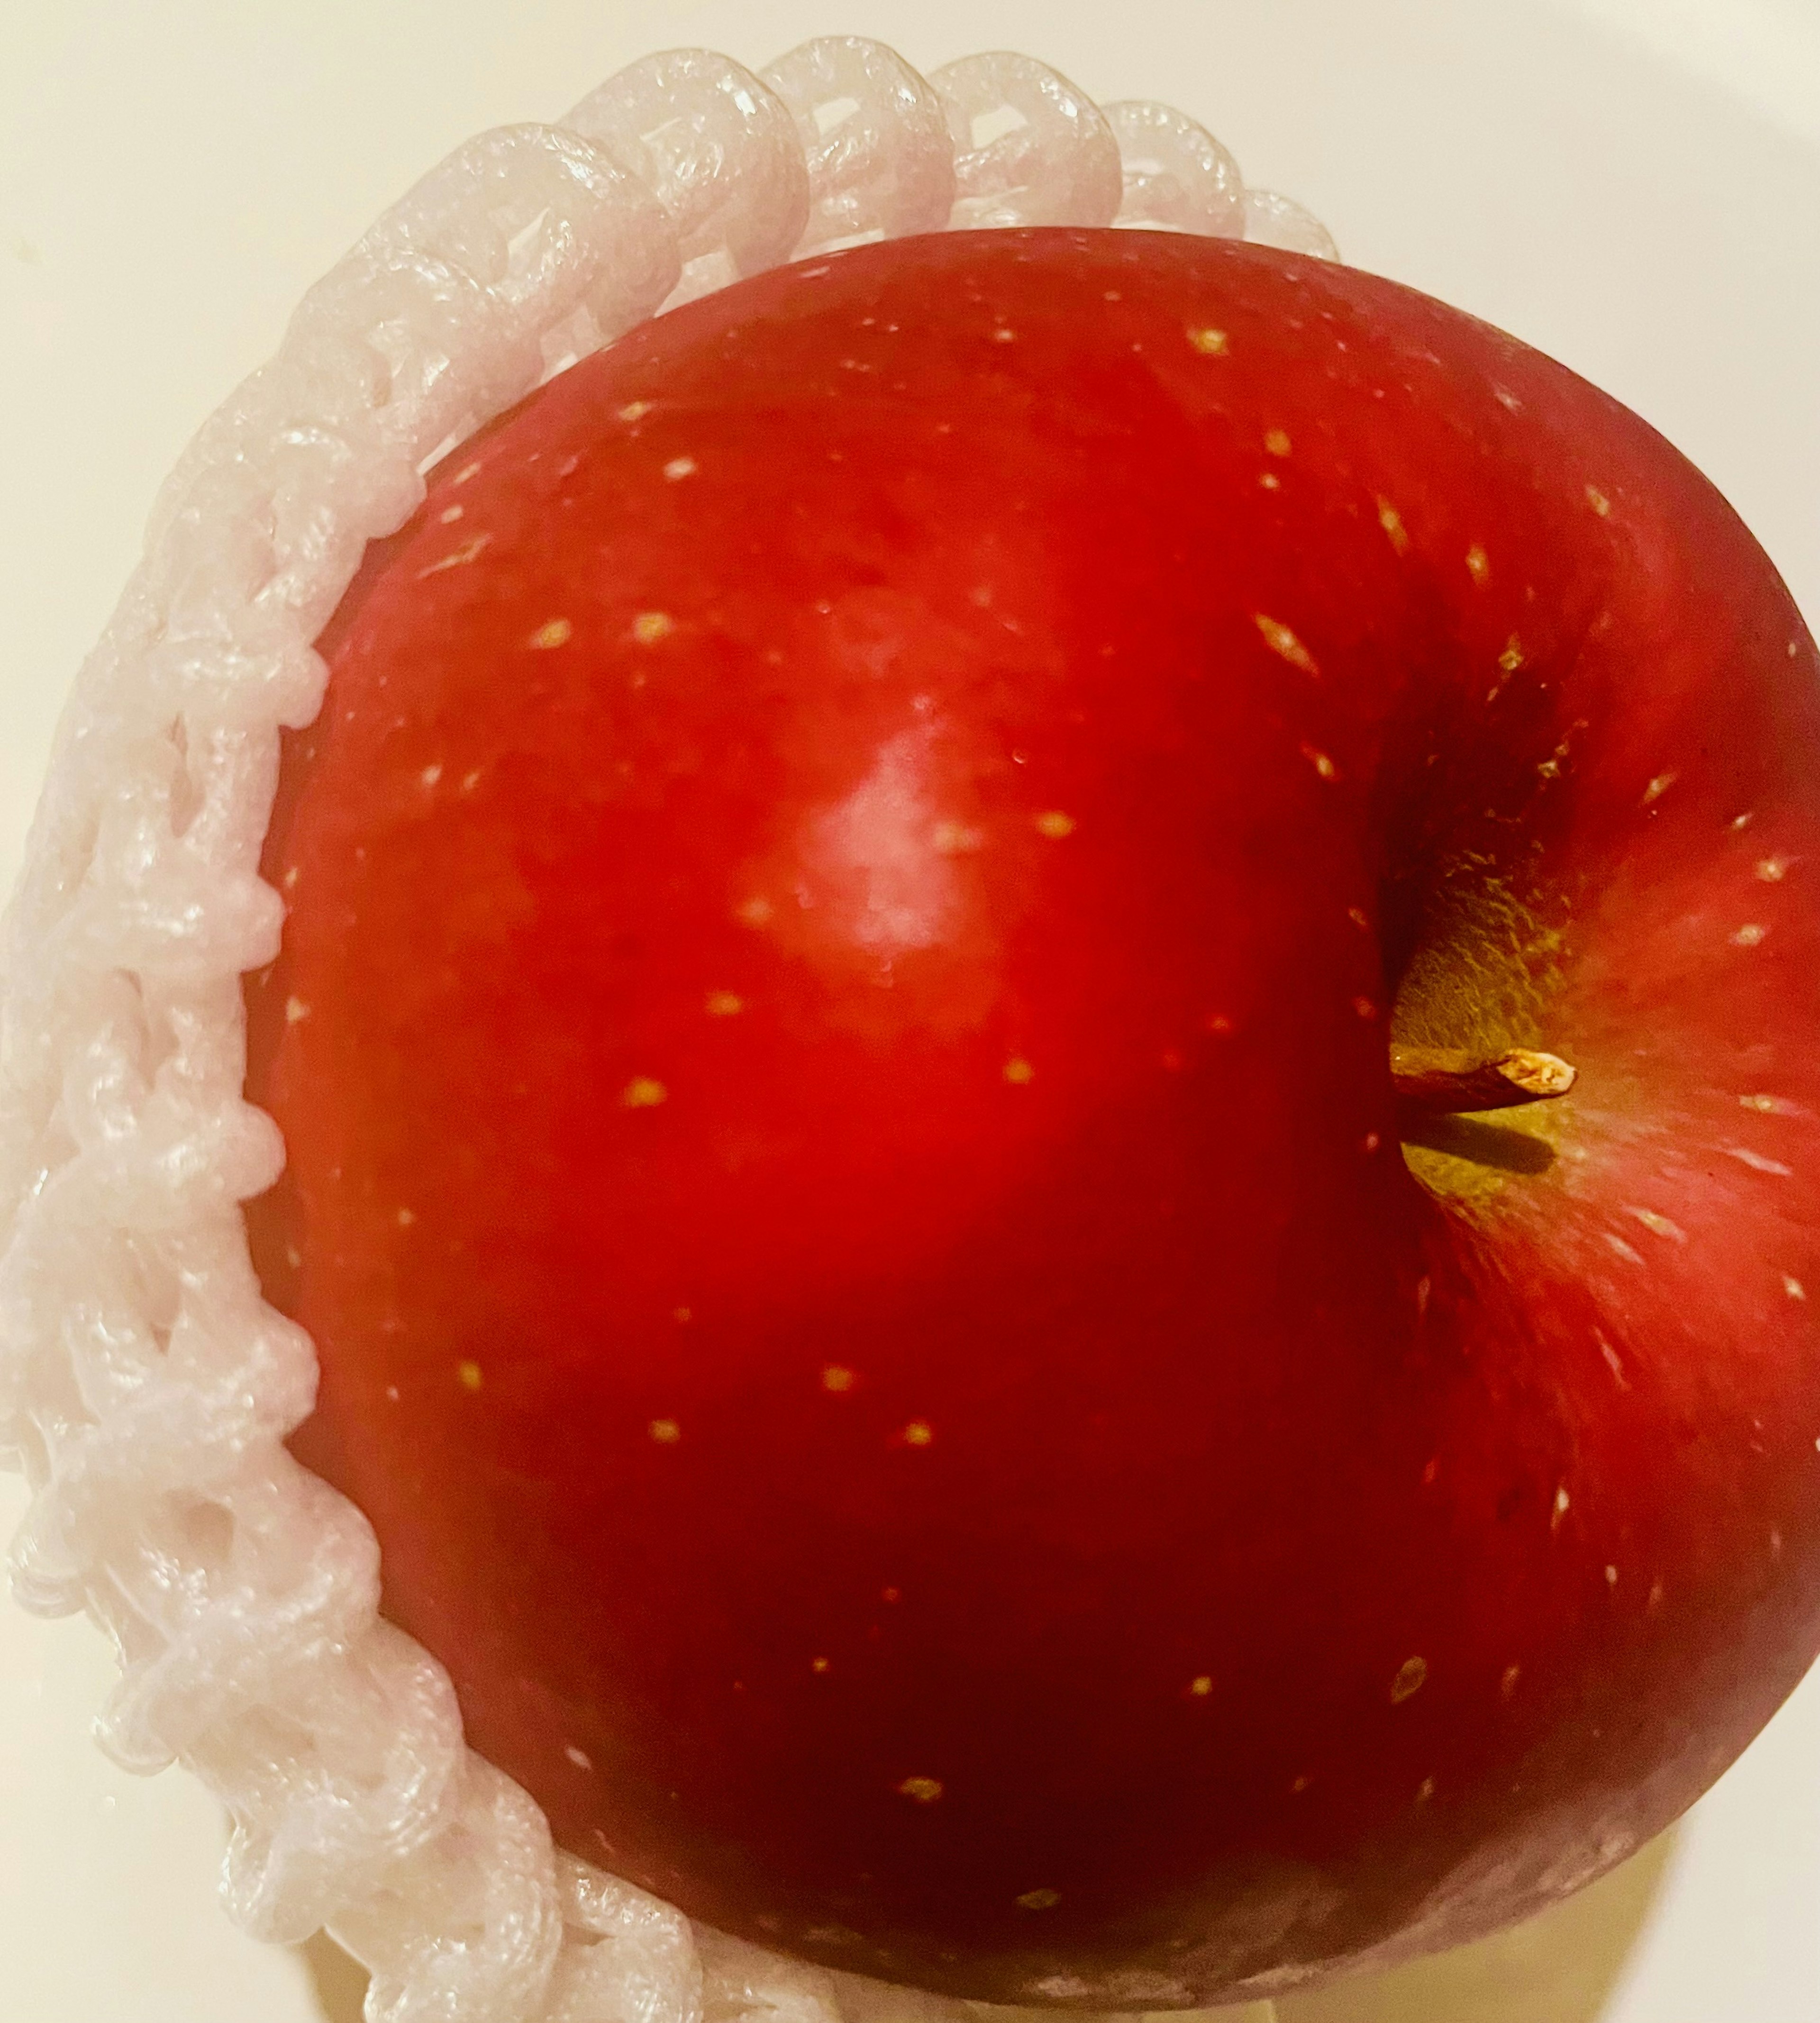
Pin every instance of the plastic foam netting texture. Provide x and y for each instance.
(146, 1389)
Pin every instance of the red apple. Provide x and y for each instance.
(849, 905)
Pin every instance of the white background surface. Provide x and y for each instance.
(1633, 186)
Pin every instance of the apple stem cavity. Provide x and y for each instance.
(1448, 1081)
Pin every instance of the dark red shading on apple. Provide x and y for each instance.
(848, 908)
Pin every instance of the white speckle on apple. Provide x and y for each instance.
(295, 1011)
(1391, 520)
(459, 558)
(429, 775)
(1563, 1503)
(1658, 1225)
(1410, 1679)
(1796, 1290)
(1611, 1576)
(580, 1758)
(557, 632)
(1758, 1164)
(680, 466)
(1598, 501)
(1659, 785)
(1478, 564)
(450, 515)
(1773, 870)
(1283, 642)
(1751, 935)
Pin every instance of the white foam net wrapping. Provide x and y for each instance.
(146, 1388)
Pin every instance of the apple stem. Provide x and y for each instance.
(1448, 1080)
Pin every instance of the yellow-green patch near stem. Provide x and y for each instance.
(1487, 964)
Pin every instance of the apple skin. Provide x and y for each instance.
(847, 907)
